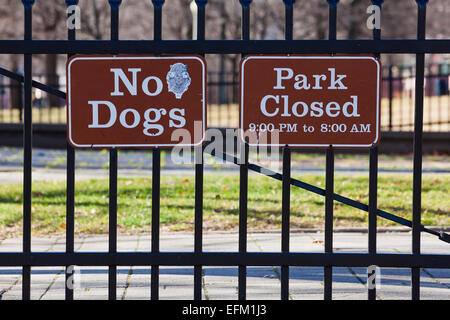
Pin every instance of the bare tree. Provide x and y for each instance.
(399, 19)
(94, 19)
(50, 17)
(11, 12)
(177, 20)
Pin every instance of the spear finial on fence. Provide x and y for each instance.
(158, 3)
(333, 3)
(28, 3)
(289, 3)
(115, 3)
(422, 3)
(201, 3)
(71, 2)
(377, 2)
(245, 3)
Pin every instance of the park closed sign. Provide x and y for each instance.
(310, 101)
(136, 101)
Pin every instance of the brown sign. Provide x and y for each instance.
(136, 101)
(304, 101)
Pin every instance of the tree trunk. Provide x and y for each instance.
(52, 78)
(16, 88)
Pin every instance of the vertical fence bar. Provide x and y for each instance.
(112, 275)
(329, 176)
(2, 107)
(285, 219)
(198, 236)
(332, 19)
(446, 124)
(156, 186)
(399, 101)
(245, 19)
(417, 167)
(70, 177)
(289, 19)
(157, 19)
(329, 190)
(390, 93)
(373, 183)
(372, 230)
(428, 94)
(243, 198)
(113, 158)
(156, 169)
(27, 150)
(286, 183)
(243, 174)
(440, 94)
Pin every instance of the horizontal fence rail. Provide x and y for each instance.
(224, 259)
(328, 259)
(222, 46)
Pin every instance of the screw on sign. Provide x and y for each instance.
(310, 101)
(143, 102)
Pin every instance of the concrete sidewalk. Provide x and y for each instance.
(50, 164)
(221, 282)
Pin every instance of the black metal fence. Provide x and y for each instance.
(397, 92)
(328, 259)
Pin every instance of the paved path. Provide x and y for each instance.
(50, 164)
(221, 282)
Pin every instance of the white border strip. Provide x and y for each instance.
(241, 130)
(135, 145)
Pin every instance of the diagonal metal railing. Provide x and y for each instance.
(262, 170)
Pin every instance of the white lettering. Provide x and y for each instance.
(280, 77)
(264, 108)
(294, 109)
(159, 86)
(95, 120)
(329, 109)
(175, 117)
(301, 82)
(131, 87)
(318, 77)
(123, 118)
(354, 105)
(334, 81)
(149, 123)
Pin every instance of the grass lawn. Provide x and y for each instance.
(221, 203)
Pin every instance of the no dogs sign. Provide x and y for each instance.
(127, 101)
(304, 101)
